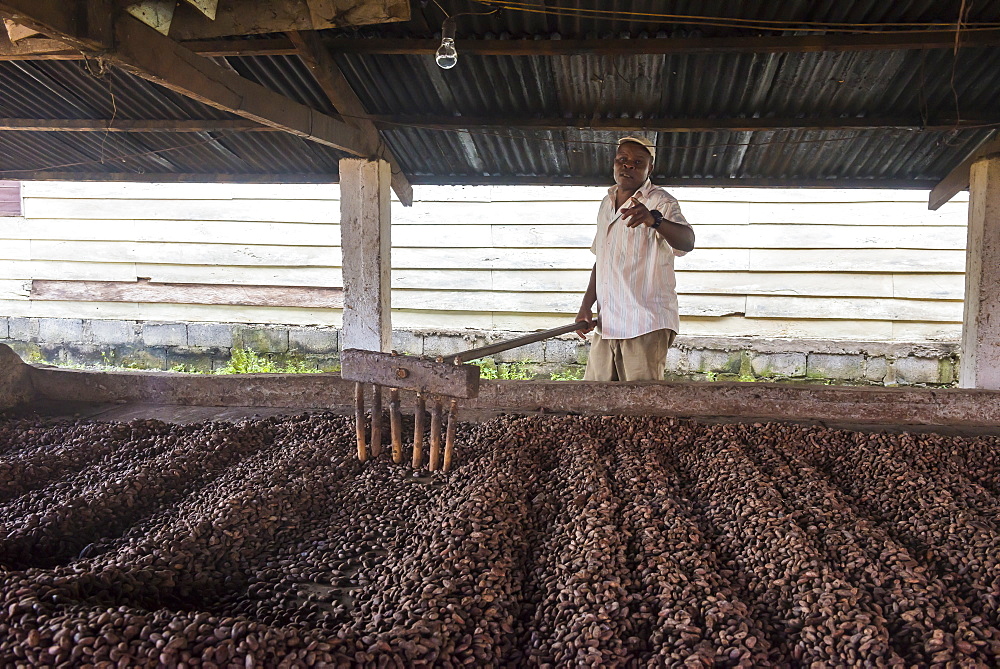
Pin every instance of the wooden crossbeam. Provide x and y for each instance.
(395, 121)
(44, 49)
(936, 39)
(958, 179)
(140, 50)
(52, 17)
(253, 17)
(121, 125)
(466, 180)
(338, 90)
(172, 177)
(721, 182)
(242, 17)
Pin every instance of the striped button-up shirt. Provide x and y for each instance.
(636, 288)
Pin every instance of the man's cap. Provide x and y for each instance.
(645, 143)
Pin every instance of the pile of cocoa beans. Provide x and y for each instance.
(554, 541)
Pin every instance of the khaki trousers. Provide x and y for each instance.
(641, 358)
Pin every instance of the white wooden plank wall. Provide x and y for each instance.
(769, 263)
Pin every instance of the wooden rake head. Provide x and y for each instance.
(436, 379)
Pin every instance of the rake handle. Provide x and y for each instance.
(500, 347)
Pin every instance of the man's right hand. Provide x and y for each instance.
(585, 315)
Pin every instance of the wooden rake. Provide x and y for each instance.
(441, 379)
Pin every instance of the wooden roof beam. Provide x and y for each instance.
(338, 90)
(84, 25)
(41, 49)
(395, 121)
(391, 122)
(253, 17)
(197, 20)
(123, 125)
(174, 177)
(958, 179)
(463, 180)
(888, 41)
(140, 50)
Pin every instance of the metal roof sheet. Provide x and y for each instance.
(927, 86)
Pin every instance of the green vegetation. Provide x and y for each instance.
(248, 361)
(112, 361)
(504, 371)
(568, 374)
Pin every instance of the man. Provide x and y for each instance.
(640, 228)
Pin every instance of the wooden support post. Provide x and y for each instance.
(364, 230)
(981, 322)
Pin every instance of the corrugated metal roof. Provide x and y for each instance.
(827, 85)
(586, 156)
(68, 90)
(922, 85)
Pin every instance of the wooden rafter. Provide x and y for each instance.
(41, 48)
(253, 17)
(368, 124)
(389, 122)
(467, 180)
(6, 44)
(958, 179)
(142, 51)
(173, 177)
(338, 90)
(120, 125)
(938, 39)
(722, 182)
(38, 49)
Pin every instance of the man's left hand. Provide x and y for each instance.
(637, 214)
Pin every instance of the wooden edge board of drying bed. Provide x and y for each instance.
(758, 401)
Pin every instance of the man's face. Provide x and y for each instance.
(633, 165)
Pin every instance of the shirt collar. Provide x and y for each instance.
(643, 190)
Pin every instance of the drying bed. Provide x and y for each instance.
(600, 541)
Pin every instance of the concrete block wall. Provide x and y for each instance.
(206, 347)
(814, 361)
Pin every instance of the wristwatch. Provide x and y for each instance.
(657, 218)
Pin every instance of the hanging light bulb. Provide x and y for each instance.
(447, 54)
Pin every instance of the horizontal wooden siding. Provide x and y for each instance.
(874, 265)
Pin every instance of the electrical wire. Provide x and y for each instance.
(102, 72)
(455, 16)
(733, 22)
(963, 16)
